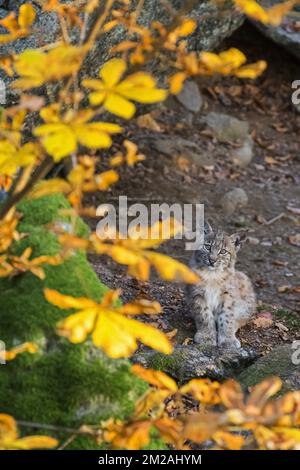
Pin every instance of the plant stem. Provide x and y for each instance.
(41, 171)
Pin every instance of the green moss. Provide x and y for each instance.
(291, 319)
(46, 210)
(170, 364)
(63, 384)
(277, 363)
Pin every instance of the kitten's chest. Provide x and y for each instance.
(213, 295)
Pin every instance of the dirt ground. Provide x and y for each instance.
(271, 182)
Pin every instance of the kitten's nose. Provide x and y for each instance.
(212, 261)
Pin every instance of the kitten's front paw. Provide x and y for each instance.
(232, 344)
(204, 339)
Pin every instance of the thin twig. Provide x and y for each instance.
(41, 171)
(278, 217)
(51, 427)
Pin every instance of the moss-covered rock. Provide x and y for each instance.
(282, 361)
(62, 384)
(193, 361)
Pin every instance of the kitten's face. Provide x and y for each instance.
(218, 251)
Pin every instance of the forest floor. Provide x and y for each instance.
(271, 182)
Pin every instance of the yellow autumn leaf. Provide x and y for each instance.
(133, 252)
(252, 70)
(187, 27)
(273, 16)
(10, 440)
(18, 27)
(26, 16)
(130, 436)
(170, 269)
(23, 263)
(110, 329)
(176, 82)
(38, 67)
(14, 352)
(61, 134)
(105, 179)
(52, 186)
(132, 155)
(228, 440)
(203, 390)
(156, 378)
(116, 95)
(8, 232)
(13, 157)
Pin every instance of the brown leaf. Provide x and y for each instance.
(148, 122)
(293, 210)
(294, 239)
(172, 334)
(262, 322)
(288, 289)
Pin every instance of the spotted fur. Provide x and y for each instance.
(224, 299)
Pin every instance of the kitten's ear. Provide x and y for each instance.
(238, 239)
(207, 229)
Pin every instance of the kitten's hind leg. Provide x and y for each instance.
(206, 334)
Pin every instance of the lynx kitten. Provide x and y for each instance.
(224, 299)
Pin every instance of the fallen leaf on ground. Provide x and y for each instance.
(294, 239)
(293, 210)
(172, 334)
(289, 289)
(281, 326)
(262, 322)
(146, 121)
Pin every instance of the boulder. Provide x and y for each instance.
(62, 384)
(227, 128)
(195, 361)
(234, 199)
(287, 34)
(217, 23)
(177, 146)
(282, 361)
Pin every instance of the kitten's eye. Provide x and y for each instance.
(223, 252)
(207, 247)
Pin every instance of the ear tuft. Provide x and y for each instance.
(238, 239)
(207, 228)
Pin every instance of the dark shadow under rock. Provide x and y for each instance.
(194, 361)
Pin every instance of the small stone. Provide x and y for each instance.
(179, 147)
(242, 156)
(190, 97)
(233, 200)
(266, 243)
(227, 127)
(253, 240)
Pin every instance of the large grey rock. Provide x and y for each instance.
(281, 361)
(226, 127)
(179, 147)
(194, 361)
(285, 34)
(217, 23)
(233, 200)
